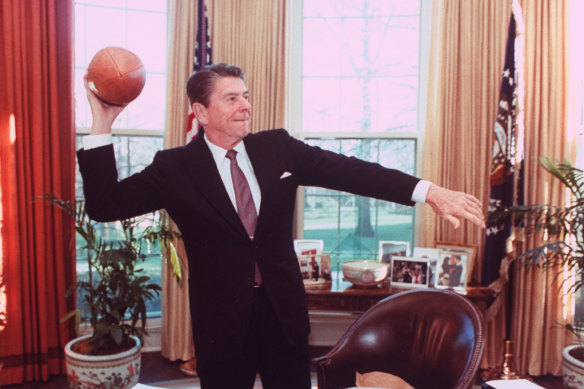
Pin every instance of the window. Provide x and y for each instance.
(140, 26)
(576, 125)
(360, 97)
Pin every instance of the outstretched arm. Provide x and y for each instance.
(453, 206)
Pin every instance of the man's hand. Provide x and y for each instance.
(453, 205)
(103, 114)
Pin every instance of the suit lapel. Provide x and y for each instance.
(199, 163)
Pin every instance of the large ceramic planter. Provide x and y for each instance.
(573, 369)
(117, 371)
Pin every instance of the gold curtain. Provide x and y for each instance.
(251, 35)
(176, 335)
(537, 298)
(237, 37)
(466, 66)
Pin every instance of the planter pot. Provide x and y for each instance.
(116, 371)
(573, 369)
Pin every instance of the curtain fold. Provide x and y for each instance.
(466, 64)
(259, 49)
(467, 56)
(252, 35)
(176, 334)
(37, 156)
(538, 298)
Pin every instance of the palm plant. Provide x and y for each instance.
(561, 227)
(116, 290)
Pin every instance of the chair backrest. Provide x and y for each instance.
(431, 338)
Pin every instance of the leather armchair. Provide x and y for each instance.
(431, 338)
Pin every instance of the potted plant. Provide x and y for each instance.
(115, 294)
(562, 229)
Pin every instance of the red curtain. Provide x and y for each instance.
(37, 143)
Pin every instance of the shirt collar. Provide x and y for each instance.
(219, 152)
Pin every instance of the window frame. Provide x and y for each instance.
(83, 44)
(293, 119)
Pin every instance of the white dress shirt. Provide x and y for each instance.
(224, 166)
(93, 141)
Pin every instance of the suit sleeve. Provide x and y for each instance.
(326, 169)
(106, 198)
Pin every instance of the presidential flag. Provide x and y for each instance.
(506, 177)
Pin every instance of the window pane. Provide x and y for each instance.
(147, 112)
(361, 74)
(140, 26)
(142, 30)
(133, 153)
(352, 226)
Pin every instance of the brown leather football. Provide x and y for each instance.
(116, 75)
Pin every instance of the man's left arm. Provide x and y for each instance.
(330, 170)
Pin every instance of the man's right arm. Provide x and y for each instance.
(107, 198)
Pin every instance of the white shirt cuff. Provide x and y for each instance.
(420, 191)
(95, 141)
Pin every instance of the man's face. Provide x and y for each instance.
(226, 118)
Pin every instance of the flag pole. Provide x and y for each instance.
(506, 184)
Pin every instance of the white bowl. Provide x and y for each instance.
(365, 272)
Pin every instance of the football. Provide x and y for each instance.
(116, 75)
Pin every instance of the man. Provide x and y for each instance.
(247, 298)
(451, 271)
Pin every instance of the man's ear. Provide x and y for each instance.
(200, 112)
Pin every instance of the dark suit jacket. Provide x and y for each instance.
(185, 182)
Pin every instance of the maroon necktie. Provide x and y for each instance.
(245, 205)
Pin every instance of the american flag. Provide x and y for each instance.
(202, 58)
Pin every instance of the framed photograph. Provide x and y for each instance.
(308, 245)
(470, 250)
(387, 249)
(316, 270)
(431, 254)
(452, 270)
(426, 252)
(314, 265)
(410, 272)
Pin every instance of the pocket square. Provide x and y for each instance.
(285, 174)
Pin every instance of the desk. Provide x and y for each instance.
(344, 297)
(333, 309)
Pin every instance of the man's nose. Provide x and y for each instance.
(244, 104)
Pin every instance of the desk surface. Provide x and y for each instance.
(341, 295)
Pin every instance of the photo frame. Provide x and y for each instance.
(315, 266)
(468, 249)
(301, 245)
(426, 252)
(410, 272)
(387, 249)
(431, 254)
(453, 270)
